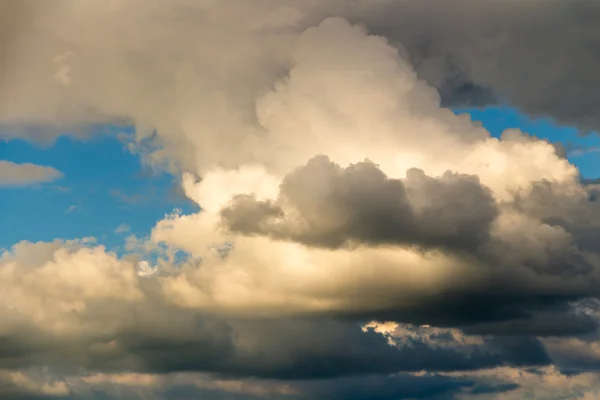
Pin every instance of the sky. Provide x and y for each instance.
(345, 200)
(104, 192)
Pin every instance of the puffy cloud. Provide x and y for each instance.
(332, 206)
(70, 304)
(428, 247)
(466, 49)
(74, 70)
(52, 284)
(13, 174)
(449, 44)
(135, 328)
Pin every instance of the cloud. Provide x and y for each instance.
(72, 208)
(191, 385)
(125, 198)
(123, 228)
(332, 206)
(17, 385)
(342, 236)
(180, 385)
(335, 190)
(467, 49)
(85, 308)
(541, 383)
(510, 383)
(13, 174)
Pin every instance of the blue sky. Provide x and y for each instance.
(105, 186)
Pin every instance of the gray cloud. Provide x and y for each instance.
(21, 385)
(183, 386)
(576, 212)
(331, 206)
(13, 174)
(476, 52)
(126, 325)
(472, 51)
(399, 386)
(346, 362)
(289, 349)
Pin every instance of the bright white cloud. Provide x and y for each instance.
(351, 96)
(52, 285)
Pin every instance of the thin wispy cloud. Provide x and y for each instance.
(126, 198)
(24, 174)
(123, 228)
(71, 209)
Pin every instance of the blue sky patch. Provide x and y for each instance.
(106, 192)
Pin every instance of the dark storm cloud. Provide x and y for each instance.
(399, 386)
(16, 385)
(333, 206)
(543, 323)
(162, 341)
(370, 387)
(194, 393)
(575, 356)
(540, 56)
(325, 349)
(500, 307)
(9, 392)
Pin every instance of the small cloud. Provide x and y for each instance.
(581, 151)
(62, 189)
(13, 174)
(64, 64)
(125, 198)
(71, 209)
(123, 228)
(145, 270)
